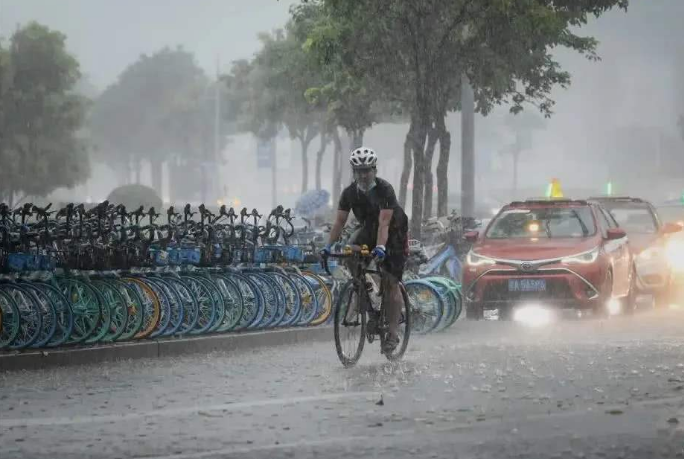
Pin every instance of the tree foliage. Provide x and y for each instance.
(40, 115)
(269, 92)
(415, 51)
(160, 110)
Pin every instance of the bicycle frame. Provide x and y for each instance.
(446, 257)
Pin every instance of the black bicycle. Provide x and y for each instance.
(359, 311)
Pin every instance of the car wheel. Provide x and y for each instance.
(506, 312)
(629, 302)
(474, 310)
(601, 308)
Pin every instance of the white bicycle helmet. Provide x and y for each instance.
(363, 157)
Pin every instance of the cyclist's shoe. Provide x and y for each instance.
(390, 344)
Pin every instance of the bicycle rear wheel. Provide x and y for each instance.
(11, 319)
(293, 301)
(86, 308)
(350, 325)
(65, 316)
(150, 305)
(324, 298)
(190, 305)
(218, 302)
(232, 298)
(115, 302)
(48, 311)
(31, 319)
(135, 308)
(429, 309)
(206, 306)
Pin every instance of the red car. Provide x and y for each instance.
(552, 253)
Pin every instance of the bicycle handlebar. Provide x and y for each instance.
(349, 251)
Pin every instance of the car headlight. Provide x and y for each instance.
(649, 254)
(675, 255)
(584, 258)
(474, 259)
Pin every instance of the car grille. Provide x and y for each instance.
(556, 289)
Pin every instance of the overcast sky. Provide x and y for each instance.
(108, 35)
(636, 84)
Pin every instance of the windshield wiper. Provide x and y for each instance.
(585, 230)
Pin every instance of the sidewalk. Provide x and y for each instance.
(167, 347)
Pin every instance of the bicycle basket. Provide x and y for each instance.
(47, 263)
(184, 256)
(267, 254)
(159, 257)
(293, 254)
(17, 262)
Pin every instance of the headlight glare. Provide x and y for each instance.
(585, 258)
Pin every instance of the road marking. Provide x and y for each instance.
(171, 412)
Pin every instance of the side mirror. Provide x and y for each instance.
(616, 233)
(471, 236)
(670, 228)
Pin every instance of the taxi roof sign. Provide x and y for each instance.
(554, 190)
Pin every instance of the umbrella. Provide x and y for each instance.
(312, 203)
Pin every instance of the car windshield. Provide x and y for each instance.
(546, 222)
(634, 218)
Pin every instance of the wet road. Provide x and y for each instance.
(572, 389)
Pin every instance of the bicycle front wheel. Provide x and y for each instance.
(350, 325)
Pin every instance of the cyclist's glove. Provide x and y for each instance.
(325, 251)
(379, 252)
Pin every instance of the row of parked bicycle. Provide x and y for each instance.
(54, 310)
(80, 275)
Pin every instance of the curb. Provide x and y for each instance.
(162, 348)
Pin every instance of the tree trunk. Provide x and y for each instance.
(357, 139)
(305, 168)
(136, 169)
(429, 181)
(122, 172)
(347, 147)
(418, 146)
(516, 159)
(305, 165)
(337, 166)
(129, 170)
(406, 171)
(307, 136)
(157, 172)
(467, 148)
(319, 158)
(443, 168)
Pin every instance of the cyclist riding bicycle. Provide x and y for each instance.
(383, 224)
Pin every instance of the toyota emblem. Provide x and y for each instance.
(527, 266)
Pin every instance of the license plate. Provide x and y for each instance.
(526, 285)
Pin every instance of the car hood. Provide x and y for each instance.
(531, 249)
(640, 242)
